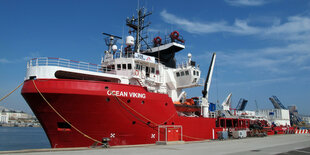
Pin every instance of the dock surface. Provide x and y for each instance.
(277, 144)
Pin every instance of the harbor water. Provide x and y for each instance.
(19, 138)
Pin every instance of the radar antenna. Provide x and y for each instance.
(110, 40)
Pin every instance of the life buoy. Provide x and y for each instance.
(137, 72)
(175, 35)
(157, 40)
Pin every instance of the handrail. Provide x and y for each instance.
(60, 62)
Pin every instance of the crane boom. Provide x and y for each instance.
(209, 77)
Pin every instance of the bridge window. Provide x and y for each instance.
(153, 70)
(186, 73)
(124, 66)
(147, 70)
(138, 67)
(182, 73)
(194, 72)
(118, 66)
(129, 66)
(197, 73)
(178, 74)
(110, 67)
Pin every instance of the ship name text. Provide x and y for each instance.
(126, 94)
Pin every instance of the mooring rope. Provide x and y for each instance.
(156, 124)
(79, 131)
(11, 92)
(82, 133)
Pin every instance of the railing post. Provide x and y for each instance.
(158, 139)
(166, 134)
(46, 61)
(37, 63)
(181, 133)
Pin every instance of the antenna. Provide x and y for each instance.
(138, 24)
(256, 105)
(110, 40)
(110, 35)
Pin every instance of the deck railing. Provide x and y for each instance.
(60, 62)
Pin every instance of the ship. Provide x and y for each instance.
(136, 95)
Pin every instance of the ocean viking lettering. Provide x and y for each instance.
(125, 94)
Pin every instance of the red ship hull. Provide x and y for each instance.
(93, 109)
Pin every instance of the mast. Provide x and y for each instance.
(137, 24)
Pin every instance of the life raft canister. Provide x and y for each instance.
(157, 40)
(175, 35)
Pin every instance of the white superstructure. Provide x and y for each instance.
(134, 69)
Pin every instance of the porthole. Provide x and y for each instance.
(133, 122)
(128, 101)
(166, 104)
(142, 102)
(108, 99)
(106, 87)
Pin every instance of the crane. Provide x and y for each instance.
(241, 105)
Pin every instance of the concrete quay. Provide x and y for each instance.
(277, 144)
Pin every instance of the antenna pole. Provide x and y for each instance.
(137, 48)
(256, 105)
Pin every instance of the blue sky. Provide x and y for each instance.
(262, 46)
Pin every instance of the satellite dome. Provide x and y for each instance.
(130, 40)
(114, 48)
(189, 55)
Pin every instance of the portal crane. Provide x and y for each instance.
(241, 105)
(276, 103)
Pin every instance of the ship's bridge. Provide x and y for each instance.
(187, 75)
(140, 69)
(131, 64)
